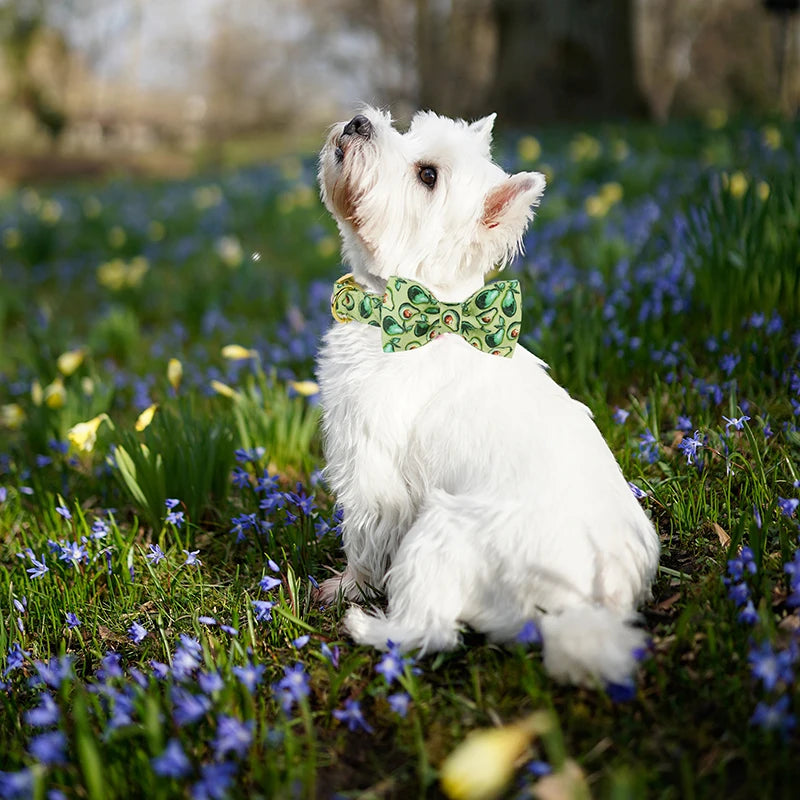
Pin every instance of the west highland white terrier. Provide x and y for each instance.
(475, 490)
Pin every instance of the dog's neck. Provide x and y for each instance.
(455, 290)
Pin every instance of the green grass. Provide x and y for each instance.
(677, 302)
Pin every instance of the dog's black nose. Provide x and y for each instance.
(359, 125)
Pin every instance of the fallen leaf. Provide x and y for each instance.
(723, 537)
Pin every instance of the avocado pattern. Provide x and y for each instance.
(409, 315)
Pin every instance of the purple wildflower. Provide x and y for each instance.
(399, 703)
(137, 632)
(49, 748)
(353, 716)
(172, 763)
(233, 736)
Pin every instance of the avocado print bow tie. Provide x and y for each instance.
(409, 316)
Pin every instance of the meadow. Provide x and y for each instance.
(164, 517)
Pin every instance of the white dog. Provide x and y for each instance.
(475, 491)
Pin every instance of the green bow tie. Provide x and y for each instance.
(409, 316)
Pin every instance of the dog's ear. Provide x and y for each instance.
(482, 128)
(509, 205)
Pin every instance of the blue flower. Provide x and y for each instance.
(171, 503)
(55, 671)
(64, 512)
(392, 664)
(172, 763)
(250, 675)
(399, 703)
(787, 505)
(689, 446)
(191, 558)
(748, 615)
(188, 707)
(539, 768)
(736, 422)
(648, 446)
(529, 634)
(45, 714)
(774, 717)
(137, 632)
(49, 748)
(175, 518)
(240, 478)
(39, 568)
(300, 642)
(292, 687)
(353, 716)
(330, 653)
(620, 415)
(156, 554)
(16, 658)
(638, 493)
(621, 692)
(233, 736)
(770, 667)
(210, 682)
(215, 781)
(268, 582)
(16, 785)
(263, 609)
(739, 593)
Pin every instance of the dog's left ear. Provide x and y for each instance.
(509, 205)
(482, 128)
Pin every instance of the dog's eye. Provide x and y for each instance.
(428, 176)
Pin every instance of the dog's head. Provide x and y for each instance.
(428, 204)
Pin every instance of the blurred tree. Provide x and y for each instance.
(565, 59)
(26, 38)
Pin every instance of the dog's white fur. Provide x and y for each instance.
(475, 490)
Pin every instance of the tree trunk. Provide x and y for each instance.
(565, 60)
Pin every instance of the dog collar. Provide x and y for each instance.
(409, 315)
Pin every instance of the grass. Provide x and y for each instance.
(661, 284)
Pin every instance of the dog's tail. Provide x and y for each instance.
(591, 644)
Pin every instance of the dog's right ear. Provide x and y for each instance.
(482, 128)
(509, 204)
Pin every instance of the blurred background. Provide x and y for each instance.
(89, 87)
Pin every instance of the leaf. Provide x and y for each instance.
(724, 538)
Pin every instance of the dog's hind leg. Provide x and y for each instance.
(433, 578)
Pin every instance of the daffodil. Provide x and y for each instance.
(481, 767)
(529, 149)
(70, 361)
(235, 352)
(37, 393)
(737, 184)
(305, 388)
(762, 190)
(174, 373)
(84, 435)
(146, 417)
(12, 416)
(771, 136)
(222, 388)
(229, 251)
(55, 394)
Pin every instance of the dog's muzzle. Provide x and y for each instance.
(359, 126)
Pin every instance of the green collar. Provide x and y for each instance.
(409, 316)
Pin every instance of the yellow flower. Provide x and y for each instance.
(305, 388)
(596, 205)
(37, 393)
(304, 196)
(611, 192)
(70, 361)
(235, 352)
(84, 434)
(112, 274)
(222, 388)
(117, 236)
(737, 184)
(87, 386)
(146, 417)
(566, 783)
(207, 197)
(584, 148)
(137, 268)
(55, 395)
(229, 251)
(762, 189)
(716, 118)
(620, 149)
(771, 136)
(174, 373)
(50, 212)
(11, 416)
(11, 238)
(529, 148)
(327, 246)
(481, 767)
